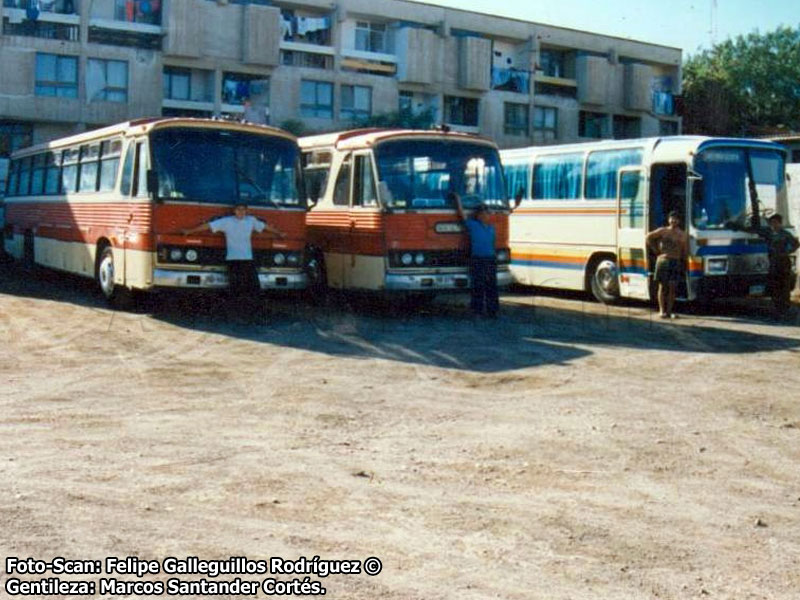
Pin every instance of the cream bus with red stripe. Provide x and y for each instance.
(111, 203)
(385, 219)
(586, 209)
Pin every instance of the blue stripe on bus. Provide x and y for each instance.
(636, 270)
(546, 263)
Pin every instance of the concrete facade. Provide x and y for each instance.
(323, 65)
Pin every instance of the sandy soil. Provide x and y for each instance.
(567, 450)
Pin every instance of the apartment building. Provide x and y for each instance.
(70, 65)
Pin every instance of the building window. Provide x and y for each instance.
(515, 121)
(461, 111)
(236, 87)
(13, 136)
(667, 127)
(592, 125)
(177, 83)
(56, 75)
(356, 102)
(406, 102)
(138, 11)
(371, 37)
(106, 80)
(316, 99)
(553, 63)
(545, 123)
(626, 128)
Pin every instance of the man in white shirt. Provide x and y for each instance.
(238, 229)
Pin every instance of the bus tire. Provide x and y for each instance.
(117, 296)
(603, 280)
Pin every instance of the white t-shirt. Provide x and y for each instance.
(237, 235)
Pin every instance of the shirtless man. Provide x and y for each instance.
(671, 243)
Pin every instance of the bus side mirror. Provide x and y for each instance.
(152, 184)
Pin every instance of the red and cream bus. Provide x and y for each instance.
(111, 203)
(382, 219)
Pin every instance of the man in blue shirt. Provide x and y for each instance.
(482, 260)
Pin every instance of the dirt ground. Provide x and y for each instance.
(565, 451)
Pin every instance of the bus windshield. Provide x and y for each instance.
(722, 198)
(225, 167)
(419, 174)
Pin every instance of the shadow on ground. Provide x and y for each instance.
(528, 333)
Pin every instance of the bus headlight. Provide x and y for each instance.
(502, 256)
(419, 259)
(175, 254)
(293, 259)
(716, 266)
(191, 255)
(407, 259)
(279, 258)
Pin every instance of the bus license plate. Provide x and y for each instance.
(757, 290)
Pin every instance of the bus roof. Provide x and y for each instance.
(662, 149)
(143, 126)
(356, 139)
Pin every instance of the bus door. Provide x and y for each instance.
(134, 189)
(365, 267)
(631, 232)
(337, 242)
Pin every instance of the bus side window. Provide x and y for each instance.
(127, 172)
(140, 189)
(364, 182)
(342, 189)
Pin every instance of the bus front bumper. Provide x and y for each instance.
(209, 280)
(437, 282)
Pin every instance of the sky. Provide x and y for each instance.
(685, 24)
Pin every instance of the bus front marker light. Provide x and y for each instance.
(279, 258)
(406, 259)
(175, 254)
(191, 255)
(716, 266)
(419, 258)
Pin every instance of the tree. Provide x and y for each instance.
(745, 86)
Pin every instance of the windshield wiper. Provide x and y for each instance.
(263, 195)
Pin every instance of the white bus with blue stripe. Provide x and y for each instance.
(586, 208)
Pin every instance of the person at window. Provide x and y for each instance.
(671, 243)
(780, 246)
(484, 297)
(243, 284)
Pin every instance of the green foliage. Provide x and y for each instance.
(294, 126)
(745, 86)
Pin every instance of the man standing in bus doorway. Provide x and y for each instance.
(484, 300)
(780, 246)
(243, 284)
(671, 243)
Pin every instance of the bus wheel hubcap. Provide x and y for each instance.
(606, 276)
(107, 275)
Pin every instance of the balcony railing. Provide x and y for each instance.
(511, 80)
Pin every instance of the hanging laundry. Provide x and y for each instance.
(306, 25)
(33, 10)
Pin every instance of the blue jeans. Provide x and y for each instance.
(485, 299)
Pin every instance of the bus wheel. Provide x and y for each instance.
(116, 296)
(603, 281)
